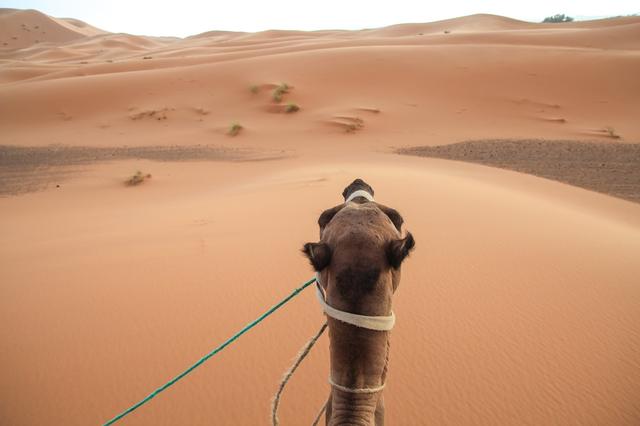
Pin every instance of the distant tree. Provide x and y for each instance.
(560, 17)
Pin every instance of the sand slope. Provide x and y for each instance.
(24, 28)
(519, 306)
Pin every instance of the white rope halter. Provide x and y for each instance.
(378, 323)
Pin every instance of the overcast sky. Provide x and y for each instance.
(188, 17)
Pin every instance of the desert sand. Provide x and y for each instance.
(520, 305)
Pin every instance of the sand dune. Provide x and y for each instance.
(445, 77)
(24, 28)
(519, 306)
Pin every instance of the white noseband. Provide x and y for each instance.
(359, 193)
(378, 323)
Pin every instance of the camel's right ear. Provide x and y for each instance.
(393, 214)
(319, 254)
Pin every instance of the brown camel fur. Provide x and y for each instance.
(358, 260)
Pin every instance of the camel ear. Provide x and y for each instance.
(327, 215)
(319, 255)
(393, 214)
(397, 250)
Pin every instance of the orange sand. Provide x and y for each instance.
(520, 305)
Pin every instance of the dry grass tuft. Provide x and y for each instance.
(291, 107)
(234, 129)
(137, 178)
(158, 114)
(611, 132)
(280, 91)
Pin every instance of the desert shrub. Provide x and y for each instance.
(279, 92)
(291, 107)
(137, 178)
(234, 129)
(560, 17)
(611, 132)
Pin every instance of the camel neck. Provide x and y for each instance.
(359, 359)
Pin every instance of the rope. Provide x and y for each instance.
(212, 353)
(355, 390)
(320, 413)
(287, 375)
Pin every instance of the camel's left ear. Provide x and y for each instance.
(327, 215)
(397, 250)
(319, 254)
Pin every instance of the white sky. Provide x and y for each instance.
(189, 17)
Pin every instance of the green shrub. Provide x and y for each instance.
(279, 92)
(560, 17)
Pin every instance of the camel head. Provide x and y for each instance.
(360, 252)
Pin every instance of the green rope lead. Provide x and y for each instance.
(213, 352)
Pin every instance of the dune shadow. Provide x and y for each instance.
(28, 169)
(611, 168)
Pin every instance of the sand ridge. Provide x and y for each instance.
(519, 305)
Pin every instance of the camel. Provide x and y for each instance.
(357, 262)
